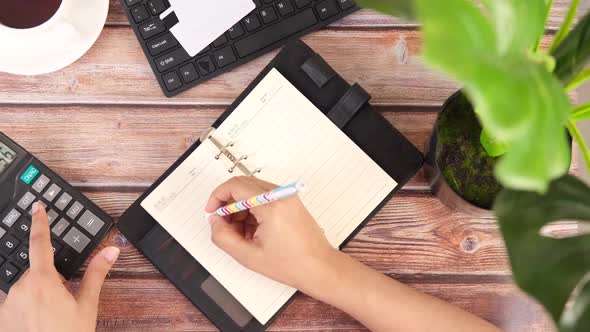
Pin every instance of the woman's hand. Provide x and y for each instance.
(280, 240)
(39, 301)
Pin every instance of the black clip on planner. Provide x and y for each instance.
(347, 106)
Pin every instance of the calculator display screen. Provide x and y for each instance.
(7, 156)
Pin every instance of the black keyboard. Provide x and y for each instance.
(77, 225)
(269, 26)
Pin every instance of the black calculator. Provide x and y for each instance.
(76, 224)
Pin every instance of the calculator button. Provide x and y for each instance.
(2, 232)
(38, 202)
(60, 227)
(90, 222)
(52, 216)
(26, 201)
(65, 260)
(2, 260)
(76, 240)
(8, 244)
(23, 227)
(52, 192)
(22, 256)
(11, 218)
(41, 183)
(8, 272)
(63, 201)
(56, 246)
(75, 210)
(29, 175)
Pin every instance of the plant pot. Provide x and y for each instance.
(458, 169)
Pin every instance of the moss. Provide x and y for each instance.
(462, 160)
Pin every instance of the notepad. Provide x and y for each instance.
(278, 135)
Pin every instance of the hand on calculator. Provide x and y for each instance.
(40, 301)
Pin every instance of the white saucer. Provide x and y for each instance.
(55, 44)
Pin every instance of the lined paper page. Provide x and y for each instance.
(286, 136)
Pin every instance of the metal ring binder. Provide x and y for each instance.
(224, 150)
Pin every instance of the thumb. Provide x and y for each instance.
(228, 238)
(94, 277)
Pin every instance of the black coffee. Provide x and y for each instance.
(24, 14)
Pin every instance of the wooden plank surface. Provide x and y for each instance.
(104, 125)
(131, 146)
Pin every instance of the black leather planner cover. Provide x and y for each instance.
(347, 106)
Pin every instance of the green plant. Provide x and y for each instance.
(519, 93)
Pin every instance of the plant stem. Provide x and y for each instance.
(566, 26)
(575, 132)
(538, 45)
(582, 77)
(581, 112)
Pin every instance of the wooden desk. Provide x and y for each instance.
(104, 125)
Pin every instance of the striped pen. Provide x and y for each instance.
(262, 199)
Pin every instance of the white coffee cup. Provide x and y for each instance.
(55, 44)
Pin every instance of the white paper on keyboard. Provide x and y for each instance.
(200, 22)
(285, 135)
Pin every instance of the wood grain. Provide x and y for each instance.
(413, 234)
(362, 19)
(155, 305)
(131, 146)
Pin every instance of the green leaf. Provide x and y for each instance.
(516, 99)
(573, 53)
(581, 112)
(579, 79)
(403, 8)
(493, 147)
(566, 26)
(548, 268)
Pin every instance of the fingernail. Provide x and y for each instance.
(36, 207)
(111, 254)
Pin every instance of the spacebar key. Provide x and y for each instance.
(275, 32)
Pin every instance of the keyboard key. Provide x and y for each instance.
(220, 41)
(172, 59)
(63, 202)
(41, 183)
(76, 240)
(90, 222)
(326, 9)
(26, 201)
(150, 29)
(224, 56)
(236, 31)
(23, 227)
(11, 218)
(285, 7)
(251, 22)
(302, 3)
(161, 44)
(205, 65)
(52, 216)
(275, 32)
(132, 2)
(22, 256)
(172, 81)
(139, 13)
(52, 192)
(268, 15)
(60, 227)
(7, 272)
(189, 73)
(75, 210)
(156, 6)
(345, 4)
(8, 244)
(55, 246)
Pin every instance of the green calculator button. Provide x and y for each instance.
(30, 174)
